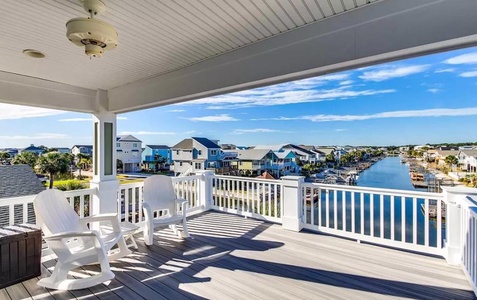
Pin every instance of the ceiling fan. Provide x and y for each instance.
(94, 35)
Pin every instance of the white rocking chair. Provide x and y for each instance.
(74, 243)
(160, 198)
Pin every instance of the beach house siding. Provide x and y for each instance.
(468, 160)
(128, 150)
(83, 149)
(196, 154)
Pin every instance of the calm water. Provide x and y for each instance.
(388, 173)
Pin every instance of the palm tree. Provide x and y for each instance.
(53, 163)
(84, 161)
(451, 160)
(26, 158)
(158, 160)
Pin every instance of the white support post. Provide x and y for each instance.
(205, 188)
(292, 202)
(454, 197)
(104, 180)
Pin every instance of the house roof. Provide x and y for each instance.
(307, 147)
(206, 142)
(32, 148)
(127, 138)
(266, 175)
(253, 154)
(18, 181)
(470, 153)
(158, 146)
(285, 154)
(448, 152)
(298, 148)
(326, 150)
(270, 147)
(83, 146)
(184, 144)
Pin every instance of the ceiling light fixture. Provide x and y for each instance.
(92, 34)
(34, 53)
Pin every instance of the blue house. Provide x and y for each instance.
(33, 149)
(151, 151)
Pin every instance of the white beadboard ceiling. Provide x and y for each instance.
(155, 37)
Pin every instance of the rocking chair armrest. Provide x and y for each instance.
(184, 203)
(71, 234)
(148, 213)
(99, 218)
(181, 201)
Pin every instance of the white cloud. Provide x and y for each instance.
(436, 112)
(256, 130)
(387, 72)
(469, 58)
(434, 90)
(39, 136)
(469, 74)
(176, 110)
(11, 112)
(282, 96)
(346, 82)
(216, 118)
(341, 129)
(448, 70)
(146, 133)
(121, 118)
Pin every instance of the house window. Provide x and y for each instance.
(198, 166)
(213, 152)
(177, 152)
(200, 152)
(180, 164)
(118, 145)
(135, 145)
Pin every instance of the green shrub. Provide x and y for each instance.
(69, 185)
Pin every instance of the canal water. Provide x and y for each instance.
(388, 173)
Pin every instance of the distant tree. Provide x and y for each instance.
(83, 162)
(53, 163)
(158, 160)
(4, 156)
(451, 160)
(330, 158)
(119, 164)
(298, 161)
(26, 158)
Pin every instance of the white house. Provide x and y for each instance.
(468, 160)
(128, 151)
(196, 154)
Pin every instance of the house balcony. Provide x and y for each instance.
(297, 240)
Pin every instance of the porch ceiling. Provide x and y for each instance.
(173, 51)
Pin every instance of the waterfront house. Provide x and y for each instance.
(468, 160)
(32, 149)
(177, 51)
(152, 153)
(62, 149)
(128, 151)
(196, 154)
(82, 149)
(304, 155)
(442, 154)
(285, 164)
(255, 161)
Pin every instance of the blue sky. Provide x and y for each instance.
(429, 99)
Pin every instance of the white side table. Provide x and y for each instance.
(128, 229)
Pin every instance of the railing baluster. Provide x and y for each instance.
(403, 219)
(353, 213)
(343, 210)
(426, 222)
(439, 223)
(327, 208)
(275, 196)
(371, 215)
(414, 220)
(361, 211)
(126, 204)
(381, 216)
(133, 209)
(335, 209)
(320, 191)
(81, 206)
(304, 205)
(392, 218)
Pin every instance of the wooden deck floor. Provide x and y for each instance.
(231, 257)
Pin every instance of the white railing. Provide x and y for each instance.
(469, 240)
(130, 196)
(404, 219)
(252, 197)
(20, 209)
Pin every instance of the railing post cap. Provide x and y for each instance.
(293, 178)
(459, 190)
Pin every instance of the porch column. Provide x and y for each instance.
(455, 196)
(205, 189)
(104, 180)
(292, 202)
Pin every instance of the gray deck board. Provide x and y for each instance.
(230, 257)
